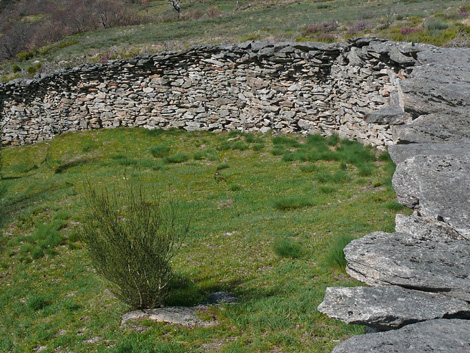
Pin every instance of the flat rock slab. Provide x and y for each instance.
(172, 315)
(439, 83)
(435, 336)
(427, 228)
(401, 259)
(451, 126)
(400, 153)
(438, 186)
(391, 307)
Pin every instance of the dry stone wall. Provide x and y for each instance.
(254, 86)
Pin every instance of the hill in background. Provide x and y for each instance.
(43, 35)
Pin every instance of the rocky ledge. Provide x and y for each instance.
(420, 273)
(443, 336)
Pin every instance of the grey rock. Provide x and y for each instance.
(435, 336)
(440, 127)
(427, 228)
(172, 315)
(400, 153)
(440, 84)
(438, 186)
(405, 260)
(222, 298)
(389, 115)
(391, 307)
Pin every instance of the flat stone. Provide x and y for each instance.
(388, 115)
(222, 298)
(423, 227)
(400, 153)
(172, 315)
(439, 266)
(390, 307)
(440, 84)
(450, 127)
(437, 186)
(435, 336)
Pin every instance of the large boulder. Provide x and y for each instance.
(401, 259)
(391, 307)
(400, 153)
(435, 336)
(451, 126)
(439, 83)
(438, 187)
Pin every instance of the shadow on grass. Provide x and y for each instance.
(12, 204)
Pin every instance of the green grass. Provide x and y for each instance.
(335, 254)
(273, 258)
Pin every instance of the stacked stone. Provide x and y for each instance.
(254, 86)
(419, 275)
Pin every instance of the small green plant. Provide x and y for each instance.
(131, 238)
(16, 68)
(335, 256)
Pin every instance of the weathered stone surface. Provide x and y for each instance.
(438, 187)
(427, 228)
(390, 115)
(222, 298)
(390, 307)
(450, 126)
(400, 153)
(405, 260)
(171, 315)
(440, 83)
(435, 336)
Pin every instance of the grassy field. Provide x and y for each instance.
(215, 21)
(270, 216)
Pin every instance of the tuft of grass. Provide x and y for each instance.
(37, 302)
(234, 187)
(292, 203)
(159, 151)
(285, 141)
(223, 166)
(394, 206)
(341, 176)
(287, 247)
(177, 158)
(335, 256)
(308, 168)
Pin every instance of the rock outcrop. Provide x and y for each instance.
(419, 272)
(439, 336)
(380, 258)
(391, 307)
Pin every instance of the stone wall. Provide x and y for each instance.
(254, 86)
